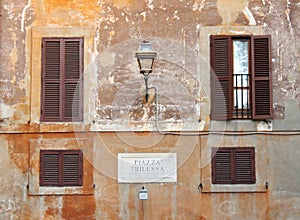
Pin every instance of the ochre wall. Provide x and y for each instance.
(116, 119)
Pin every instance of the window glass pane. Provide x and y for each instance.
(240, 57)
(241, 75)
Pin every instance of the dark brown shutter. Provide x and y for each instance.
(234, 165)
(51, 66)
(222, 166)
(62, 93)
(73, 80)
(221, 82)
(244, 165)
(72, 168)
(261, 78)
(61, 168)
(49, 168)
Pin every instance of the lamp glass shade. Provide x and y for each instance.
(145, 57)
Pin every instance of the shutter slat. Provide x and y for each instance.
(243, 170)
(222, 172)
(51, 100)
(72, 101)
(50, 170)
(52, 60)
(262, 78)
(72, 59)
(71, 169)
(221, 100)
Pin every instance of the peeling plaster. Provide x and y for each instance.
(14, 53)
(149, 4)
(287, 12)
(249, 16)
(199, 5)
(229, 12)
(23, 15)
(6, 111)
(9, 9)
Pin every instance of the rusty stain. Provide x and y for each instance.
(75, 207)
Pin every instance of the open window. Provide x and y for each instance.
(241, 81)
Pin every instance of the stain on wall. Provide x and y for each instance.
(119, 120)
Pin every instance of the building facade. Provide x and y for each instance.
(217, 137)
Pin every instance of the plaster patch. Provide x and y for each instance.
(14, 53)
(249, 16)
(23, 15)
(229, 11)
(6, 111)
(264, 126)
(144, 15)
(175, 15)
(150, 4)
(9, 9)
(107, 59)
(199, 5)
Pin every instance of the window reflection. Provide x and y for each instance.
(241, 78)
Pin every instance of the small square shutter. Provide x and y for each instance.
(49, 168)
(244, 165)
(221, 82)
(222, 166)
(72, 168)
(51, 81)
(61, 168)
(235, 165)
(261, 78)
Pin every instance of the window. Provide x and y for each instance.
(233, 165)
(241, 86)
(61, 167)
(62, 79)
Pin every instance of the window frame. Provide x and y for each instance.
(221, 77)
(66, 85)
(61, 168)
(233, 166)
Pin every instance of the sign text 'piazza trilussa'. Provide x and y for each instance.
(147, 167)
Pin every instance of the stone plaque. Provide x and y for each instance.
(147, 167)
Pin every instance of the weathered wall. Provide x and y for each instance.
(115, 108)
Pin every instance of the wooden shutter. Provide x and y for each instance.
(222, 166)
(61, 168)
(72, 168)
(51, 67)
(62, 79)
(221, 81)
(73, 80)
(261, 78)
(49, 168)
(244, 165)
(234, 165)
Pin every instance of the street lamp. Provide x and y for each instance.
(145, 56)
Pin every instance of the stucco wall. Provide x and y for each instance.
(117, 120)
